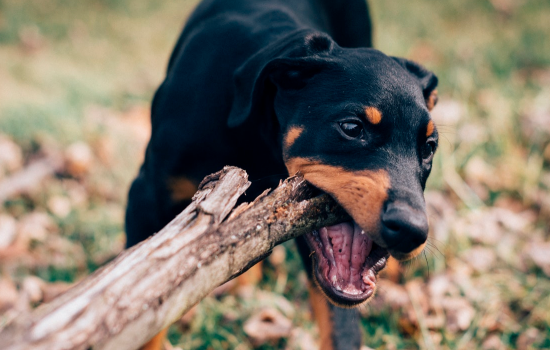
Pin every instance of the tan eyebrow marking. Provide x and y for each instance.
(432, 100)
(373, 115)
(293, 133)
(430, 128)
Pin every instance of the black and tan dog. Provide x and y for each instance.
(281, 86)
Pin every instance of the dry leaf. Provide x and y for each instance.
(540, 254)
(527, 338)
(493, 342)
(11, 156)
(479, 258)
(448, 112)
(31, 39)
(276, 300)
(8, 231)
(299, 339)
(32, 287)
(60, 206)
(269, 325)
(78, 159)
(8, 294)
(459, 313)
(35, 226)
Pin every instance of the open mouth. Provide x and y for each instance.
(346, 262)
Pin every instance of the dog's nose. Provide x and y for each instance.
(404, 228)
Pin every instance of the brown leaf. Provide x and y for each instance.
(60, 206)
(299, 339)
(493, 342)
(32, 287)
(479, 258)
(7, 231)
(459, 313)
(448, 112)
(78, 159)
(8, 295)
(268, 325)
(31, 39)
(528, 338)
(35, 226)
(11, 156)
(540, 254)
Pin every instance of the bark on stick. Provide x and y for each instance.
(149, 286)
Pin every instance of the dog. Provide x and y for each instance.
(278, 87)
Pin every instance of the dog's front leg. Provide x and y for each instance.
(338, 327)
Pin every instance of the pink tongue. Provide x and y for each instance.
(347, 248)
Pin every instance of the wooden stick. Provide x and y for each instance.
(149, 286)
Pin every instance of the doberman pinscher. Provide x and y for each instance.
(281, 86)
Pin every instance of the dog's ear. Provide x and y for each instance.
(427, 80)
(285, 64)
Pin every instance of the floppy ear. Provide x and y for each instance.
(427, 80)
(285, 64)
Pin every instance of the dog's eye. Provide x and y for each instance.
(428, 151)
(352, 129)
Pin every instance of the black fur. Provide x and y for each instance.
(244, 71)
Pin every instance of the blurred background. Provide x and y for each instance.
(76, 81)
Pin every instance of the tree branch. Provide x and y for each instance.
(149, 286)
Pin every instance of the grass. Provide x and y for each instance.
(86, 71)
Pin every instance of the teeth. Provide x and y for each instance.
(369, 278)
(346, 263)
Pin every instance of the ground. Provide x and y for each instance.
(76, 81)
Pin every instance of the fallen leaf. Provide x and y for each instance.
(268, 325)
(448, 112)
(8, 230)
(276, 300)
(35, 226)
(459, 312)
(8, 295)
(31, 39)
(11, 156)
(479, 258)
(32, 287)
(78, 159)
(493, 342)
(540, 255)
(60, 206)
(528, 338)
(299, 339)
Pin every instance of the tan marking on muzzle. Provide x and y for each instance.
(291, 136)
(430, 128)
(408, 256)
(181, 188)
(374, 116)
(432, 100)
(361, 193)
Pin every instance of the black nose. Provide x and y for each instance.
(404, 228)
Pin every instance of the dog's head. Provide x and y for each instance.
(356, 124)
